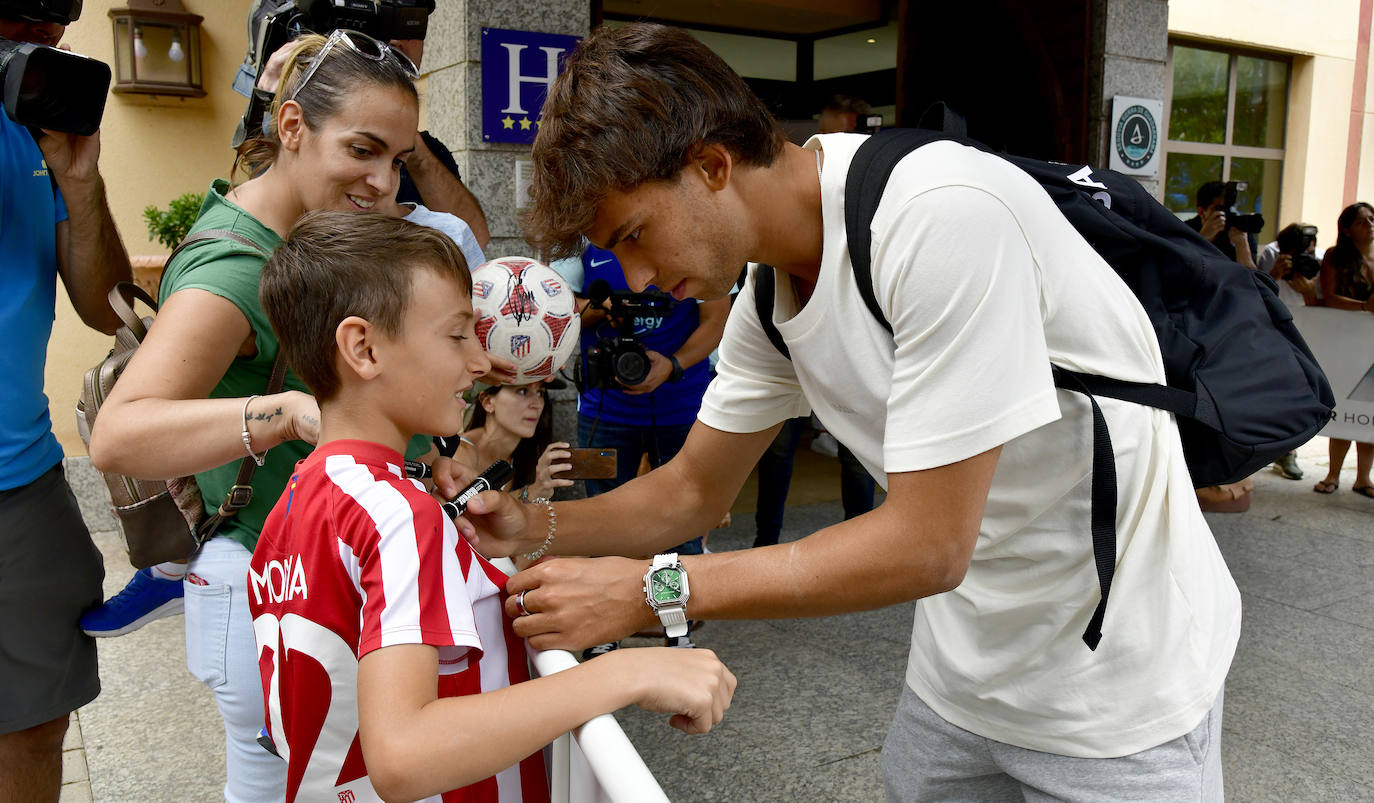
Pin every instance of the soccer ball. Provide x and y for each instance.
(525, 314)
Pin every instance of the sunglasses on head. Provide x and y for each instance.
(364, 46)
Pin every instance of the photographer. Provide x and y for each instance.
(1231, 235)
(619, 405)
(56, 222)
(1294, 260)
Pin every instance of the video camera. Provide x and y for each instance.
(44, 87)
(620, 359)
(274, 23)
(1250, 224)
(1295, 241)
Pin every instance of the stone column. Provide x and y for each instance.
(453, 94)
(1130, 41)
(453, 103)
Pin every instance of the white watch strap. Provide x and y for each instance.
(674, 621)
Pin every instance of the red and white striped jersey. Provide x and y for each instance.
(355, 557)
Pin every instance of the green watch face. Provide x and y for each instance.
(665, 585)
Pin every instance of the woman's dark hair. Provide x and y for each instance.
(525, 458)
(343, 72)
(1344, 254)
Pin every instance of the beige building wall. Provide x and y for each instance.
(152, 149)
(1322, 38)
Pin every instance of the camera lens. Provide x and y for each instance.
(631, 367)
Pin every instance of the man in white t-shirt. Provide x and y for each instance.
(988, 468)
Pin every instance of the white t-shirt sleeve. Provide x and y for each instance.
(755, 386)
(961, 288)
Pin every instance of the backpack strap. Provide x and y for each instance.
(863, 190)
(868, 174)
(765, 277)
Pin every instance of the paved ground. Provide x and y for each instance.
(815, 696)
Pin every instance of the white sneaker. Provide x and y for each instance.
(825, 443)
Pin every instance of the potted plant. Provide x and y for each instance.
(168, 227)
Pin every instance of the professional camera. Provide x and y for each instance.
(1295, 241)
(620, 360)
(44, 87)
(1250, 224)
(275, 22)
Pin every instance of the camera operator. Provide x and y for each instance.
(430, 176)
(1218, 222)
(620, 405)
(55, 222)
(1294, 261)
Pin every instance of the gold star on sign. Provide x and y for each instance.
(524, 124)
(507, 122)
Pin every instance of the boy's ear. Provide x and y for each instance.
(356, 338)
(715, 164)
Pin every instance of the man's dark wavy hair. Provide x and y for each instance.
(630, 107)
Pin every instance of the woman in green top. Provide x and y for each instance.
(344, 118)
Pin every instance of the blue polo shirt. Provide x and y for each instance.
(30, 209)
(672, 403)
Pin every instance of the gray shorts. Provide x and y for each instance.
(927, 758)
(50, 572)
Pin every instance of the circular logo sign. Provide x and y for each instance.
(1137, 137)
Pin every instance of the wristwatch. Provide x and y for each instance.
(665, 589)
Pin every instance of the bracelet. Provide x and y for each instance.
(677, 368)
(247, 438)
(548, 539)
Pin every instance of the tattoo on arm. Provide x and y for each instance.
(266, 416)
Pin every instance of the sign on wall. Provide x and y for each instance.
(1340, 340)
(1136, 136)
(517, 69)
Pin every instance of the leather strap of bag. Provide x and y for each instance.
(241, 494)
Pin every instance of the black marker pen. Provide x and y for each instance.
(496, 475)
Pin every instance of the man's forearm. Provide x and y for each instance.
(95, 258)
(444, 192)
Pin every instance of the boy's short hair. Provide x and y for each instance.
(336, 264)
(629, 107)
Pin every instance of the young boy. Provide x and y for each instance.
(387, 667)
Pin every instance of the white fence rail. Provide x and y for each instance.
(595, 763)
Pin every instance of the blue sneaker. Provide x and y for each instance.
(145, 599)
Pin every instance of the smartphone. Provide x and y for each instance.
(591, 464)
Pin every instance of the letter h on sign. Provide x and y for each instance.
(517, 69)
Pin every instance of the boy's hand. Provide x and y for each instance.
(502, 371)
(572, 603)
(692, 685)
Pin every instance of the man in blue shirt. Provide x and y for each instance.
(54, 220)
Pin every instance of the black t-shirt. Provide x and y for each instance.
(1221, 241)
(408, 192)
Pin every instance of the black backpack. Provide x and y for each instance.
(1241, 381)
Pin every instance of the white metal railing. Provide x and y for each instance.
(594, 763)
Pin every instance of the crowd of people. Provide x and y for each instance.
(357, 640)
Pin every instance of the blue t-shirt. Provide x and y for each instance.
(662, 330)
(30, 209)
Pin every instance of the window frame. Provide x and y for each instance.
(1226, 150)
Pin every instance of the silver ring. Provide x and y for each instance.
(520, 601)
